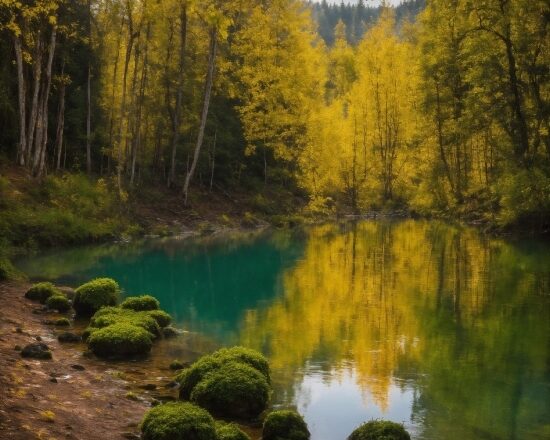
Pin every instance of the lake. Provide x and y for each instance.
(436, 326)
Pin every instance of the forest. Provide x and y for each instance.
(438, 108)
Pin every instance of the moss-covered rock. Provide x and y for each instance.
(62, 322)
(178, 421)
(380, 430)
(176, 365)
(285, 425)
(141, 303)
(59, 303)
(90, 297)
(230, 431)
(42, 291)
(234, 390)
(190, 377)
(120, 340)
(163, 319)
(115, 315)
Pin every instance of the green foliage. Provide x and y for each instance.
(194, 374)
(59, 303)
(380, 430)
(93, 295)
(285, 425)
(524, 195)
(163, 319)
(60, 211)
(42, 291)
(120, 340)
(230, 431)
(233, 390)
(141, 303)
(178, 421)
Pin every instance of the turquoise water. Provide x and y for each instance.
(437, 327)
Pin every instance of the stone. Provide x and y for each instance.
(69, 337)
(36, 350)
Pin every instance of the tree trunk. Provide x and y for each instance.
(22, 149)
(176, 116)
(60, 121)
(37, 73)
(206, 104)
(89, 122)
(46, 95)
(89, 99)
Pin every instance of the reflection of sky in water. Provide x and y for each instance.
(331, 406)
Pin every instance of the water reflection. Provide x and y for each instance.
(424, 323)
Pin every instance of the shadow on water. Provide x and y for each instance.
(436, 326)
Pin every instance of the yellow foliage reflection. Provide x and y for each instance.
(362, 295)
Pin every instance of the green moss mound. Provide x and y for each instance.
(230, 431)
(380, 430)
(59, 303)
(120, 340)
(190, 377)
(42, 291)
(178, 421)
(93, 295)
(62, 322)
(234, 390)
(115, 315)
(285, 425)
(163, 319)
(141, 303)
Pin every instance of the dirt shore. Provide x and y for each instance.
(68, 397)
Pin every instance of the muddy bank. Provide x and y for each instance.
(73, 395)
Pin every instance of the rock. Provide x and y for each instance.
(69, 337)
(170, 332)
(38, 338)
(68, 291)
(36, 350)
(78, 367)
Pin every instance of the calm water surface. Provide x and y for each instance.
(437, 327)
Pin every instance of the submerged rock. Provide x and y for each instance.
(36, 350)
(69, 337)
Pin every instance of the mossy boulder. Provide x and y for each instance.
(191, 376)
(163, 319)
(120, 340)
(115, 315)
(178, 421)
(233, 390)
(380, 430)
(230, 431)
(59, 303)
(141, 303)
(62, 322)
(285, 425)
(42, 291)
(90, 297)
